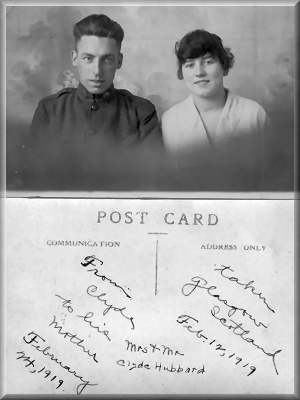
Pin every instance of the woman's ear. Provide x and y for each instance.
(179, 73)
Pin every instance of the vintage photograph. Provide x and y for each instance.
(150, 98)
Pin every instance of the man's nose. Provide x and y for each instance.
(97, 68)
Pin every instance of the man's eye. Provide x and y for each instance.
(108, 60)
(208, 62)
(88, 58)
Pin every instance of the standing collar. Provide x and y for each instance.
(107, 96)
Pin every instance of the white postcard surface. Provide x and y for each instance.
(149, 296)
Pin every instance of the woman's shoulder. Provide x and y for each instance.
(174, 111)
(246, 103)
(248, 112)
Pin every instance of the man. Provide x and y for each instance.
(94, 125)
(96, 107)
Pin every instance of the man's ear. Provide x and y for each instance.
(74, 57)
(120, 60)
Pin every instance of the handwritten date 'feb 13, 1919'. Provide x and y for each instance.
(236, 328)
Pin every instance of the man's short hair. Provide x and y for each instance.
(199, 42)
(98, 25)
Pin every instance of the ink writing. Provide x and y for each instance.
(92, 289)
(159, 367)
(88, 316)
(247, 285)
(90, 261)
(189, 288)
(42, 370)
(164, 350)
(33, 337)
(73, 337)
(66, 303)
(238, 327)
(184, 319)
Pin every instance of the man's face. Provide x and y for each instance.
(97, 60)
(204, 76)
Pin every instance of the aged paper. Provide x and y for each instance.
(149, 297)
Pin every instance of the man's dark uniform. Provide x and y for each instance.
(76, 136)
(75, 115)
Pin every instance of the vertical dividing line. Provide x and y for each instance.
(156, 267)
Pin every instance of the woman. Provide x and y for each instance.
(212, 114)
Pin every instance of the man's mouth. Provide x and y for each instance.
(97, 81)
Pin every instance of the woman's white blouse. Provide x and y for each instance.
(184, 131)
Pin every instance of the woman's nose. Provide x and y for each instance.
(199, 69)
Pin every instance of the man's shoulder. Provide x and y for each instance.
(61, 94)
(137, 101)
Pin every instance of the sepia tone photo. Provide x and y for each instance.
(152, 99)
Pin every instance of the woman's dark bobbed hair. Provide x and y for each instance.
(199, 42)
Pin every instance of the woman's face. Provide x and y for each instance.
(204, 76)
